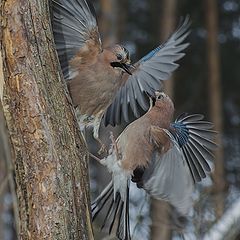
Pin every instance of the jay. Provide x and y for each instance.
(163, 158)
(102, 81)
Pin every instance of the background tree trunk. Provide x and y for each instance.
(50, 157)
(161, 224)
(109, 21)
(167, 23)
(4, 155)
(215, 100)
(8, 201)
(160, 210)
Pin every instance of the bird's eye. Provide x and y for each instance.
(160, 97)
(119, 57)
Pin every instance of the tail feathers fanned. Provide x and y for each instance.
(117, 214)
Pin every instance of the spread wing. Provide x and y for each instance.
(168, 178)
(150, 71)
(195, 139)
(74, 23)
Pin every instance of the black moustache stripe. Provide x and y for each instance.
(116, 64)
(121, 65)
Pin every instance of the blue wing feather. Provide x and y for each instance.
(150, 72)
(196, 150)
(151, 54)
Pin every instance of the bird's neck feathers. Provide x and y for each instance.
(162, 113)
(87, 56)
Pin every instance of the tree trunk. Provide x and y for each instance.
(108, 21)
(50, 156)
(167, 23)
(215, 100)
(227, 227)
(160, 209)
(161, 224)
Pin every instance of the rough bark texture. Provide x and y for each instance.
(215, 100)
(50, 155)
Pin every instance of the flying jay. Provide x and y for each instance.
(164, 158)
(102, 81)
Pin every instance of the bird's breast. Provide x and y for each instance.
(94, 88)
(135, 148)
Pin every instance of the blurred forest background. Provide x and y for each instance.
(206, 82)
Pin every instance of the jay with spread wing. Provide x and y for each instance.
(163, 158)
(102, 80)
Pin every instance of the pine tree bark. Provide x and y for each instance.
(50, 156)
(215, 98)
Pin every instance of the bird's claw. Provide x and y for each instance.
(103, 149)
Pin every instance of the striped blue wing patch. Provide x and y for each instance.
(195, 138)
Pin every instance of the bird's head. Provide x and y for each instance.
(121, 59)
(163, 101)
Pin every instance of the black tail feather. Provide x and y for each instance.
(117, 209)
(109, 213)
(100, 202)
(117, 213)
(123, 228)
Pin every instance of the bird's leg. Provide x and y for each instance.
(95, 157)
(96, 126)
(101, 161)
(114, 144)
(103, 148)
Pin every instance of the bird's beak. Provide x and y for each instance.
(127, 67)
(124, 66)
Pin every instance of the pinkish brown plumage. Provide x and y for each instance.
(102, 81)
(96, 81)
(163, 158)
(146, 132)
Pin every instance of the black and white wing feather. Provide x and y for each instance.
(171, 176)
(150, 71)
(195, 139)
(74, 23)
